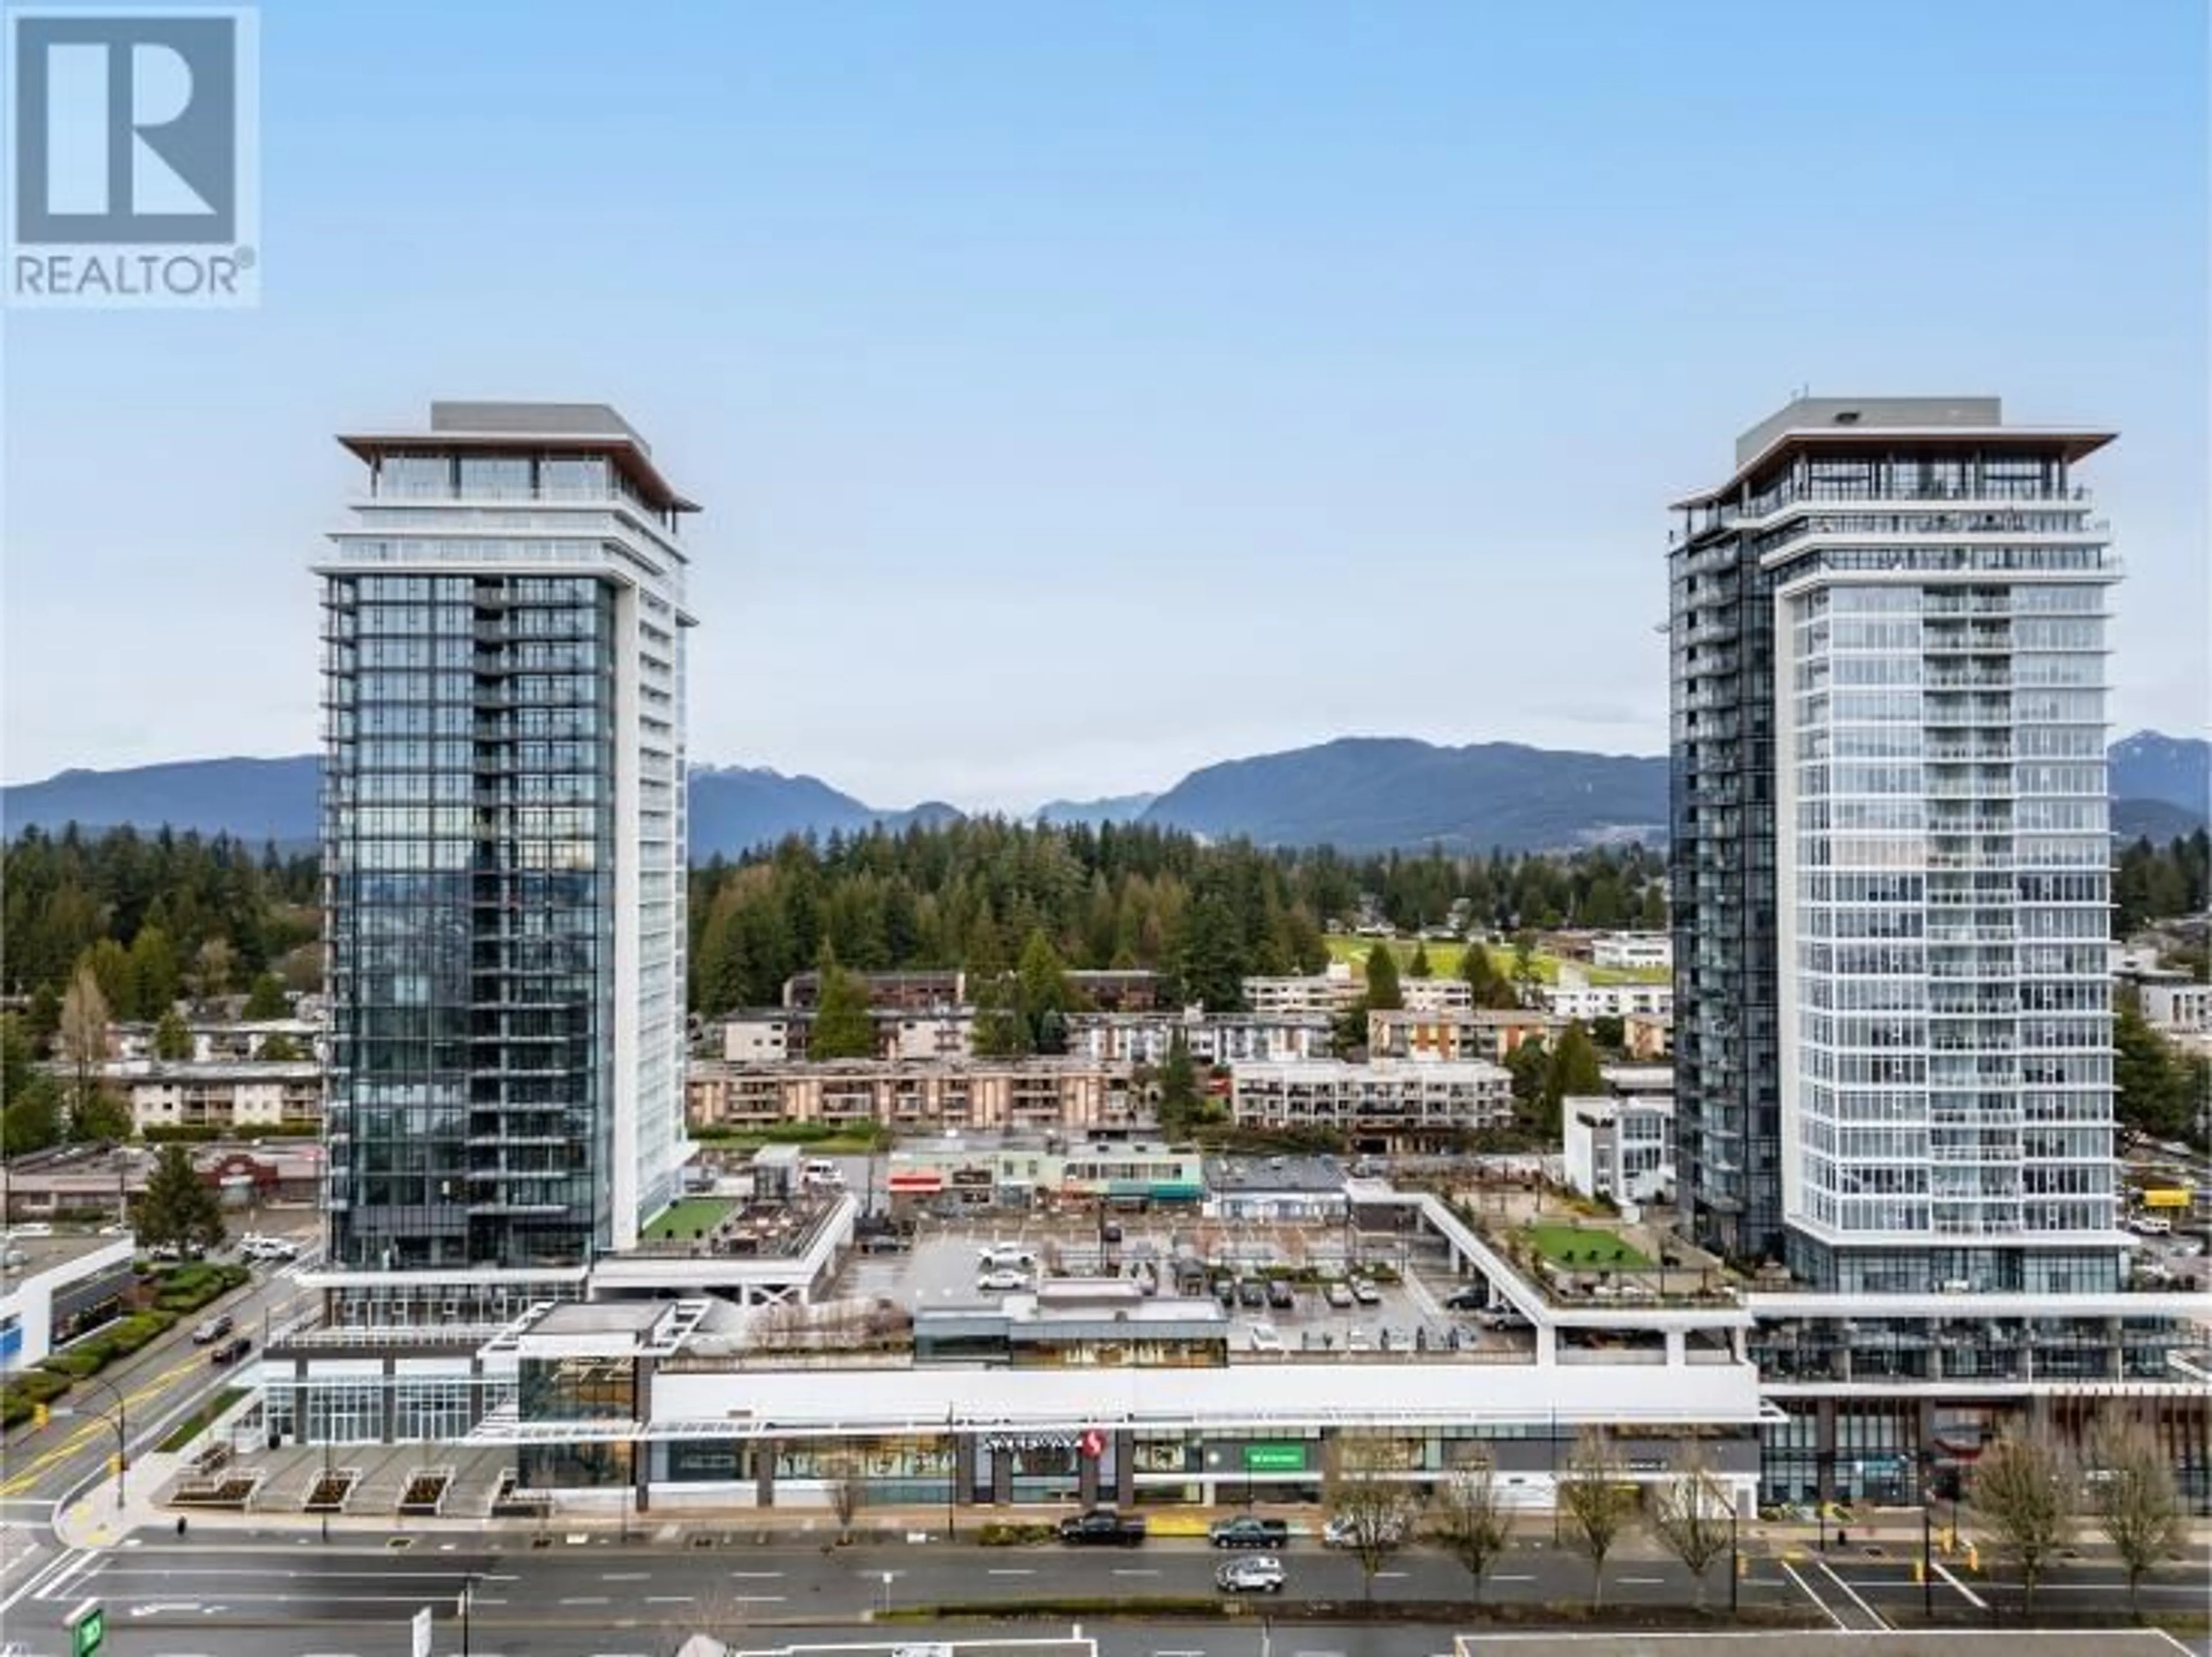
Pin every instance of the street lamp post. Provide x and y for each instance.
(119, 1423)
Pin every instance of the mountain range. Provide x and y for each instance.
(1359, 793)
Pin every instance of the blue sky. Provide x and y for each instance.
(1082, 393)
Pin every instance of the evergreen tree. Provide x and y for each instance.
(1489, 986)
(1530, 1068)
(279, 1048)
(30, 1100)
(177, 1209)
(1209, 956)
(173, 1037)
(1419, 966)
(842, 1028)
(265, 1000)
(1383, 993)
(155, 975)
(1179, 1093)
(1042, 996)
(1573, 1072)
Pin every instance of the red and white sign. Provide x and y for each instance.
(1092, 1443)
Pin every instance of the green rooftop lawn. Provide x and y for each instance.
(682, 1221)
(1598, 1249)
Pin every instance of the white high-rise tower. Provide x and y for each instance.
(503, 842)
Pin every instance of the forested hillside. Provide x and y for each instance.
(971, 894)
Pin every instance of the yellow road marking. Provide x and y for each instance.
(28, 1475)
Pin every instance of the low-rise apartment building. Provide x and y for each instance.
(225, 1097)
(1476, 1032)
(1212, 1038)
(1317, 995)
(1382, 1104)
(1436, 995)
(915, 991)
(218, 1041)
(1055, 1094)
(1632, 950)
(776, 1036)
(2177, 1005)
(1572, 998)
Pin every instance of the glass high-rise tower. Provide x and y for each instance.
(1890, 852)
(503, 842)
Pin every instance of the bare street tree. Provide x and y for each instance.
(2138, 1503)
(1691, 1511)
(1470, 1522)
(1371, 1504)
(1598, 1500)
(2026, 1490)
(846, 1476)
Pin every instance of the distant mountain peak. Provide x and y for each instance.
(1357, 793)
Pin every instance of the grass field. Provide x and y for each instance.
(680, 1222)
(1589, 1247)
(1444, 956)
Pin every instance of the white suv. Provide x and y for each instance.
(1261, 1572)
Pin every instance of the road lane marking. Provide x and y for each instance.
(1971, 1597)
(1805, 1587)
(1853, 1594)
(668, 1598)
(1010, 1570)
(1642, 1582)
(1511, 1576)
(749, 1575)
(626, 1576)
(1119, 1572)
(598, 1600)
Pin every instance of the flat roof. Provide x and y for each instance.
(1314, 1174)
(1380, 1387)
(600, 1317)
(2069, 443)
(530, 428)
(43, 1254)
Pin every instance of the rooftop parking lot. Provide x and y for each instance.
(1405, 1312)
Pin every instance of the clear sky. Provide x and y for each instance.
(1083, 393)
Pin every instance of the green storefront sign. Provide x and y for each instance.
(1274, 1458)
(87, 1626)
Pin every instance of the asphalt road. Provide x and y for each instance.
(159, 1384)
(214, 1597)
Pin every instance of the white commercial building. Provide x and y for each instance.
(1620, 1149)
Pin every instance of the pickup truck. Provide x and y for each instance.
(1249, 1532)
(1102, 1527)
